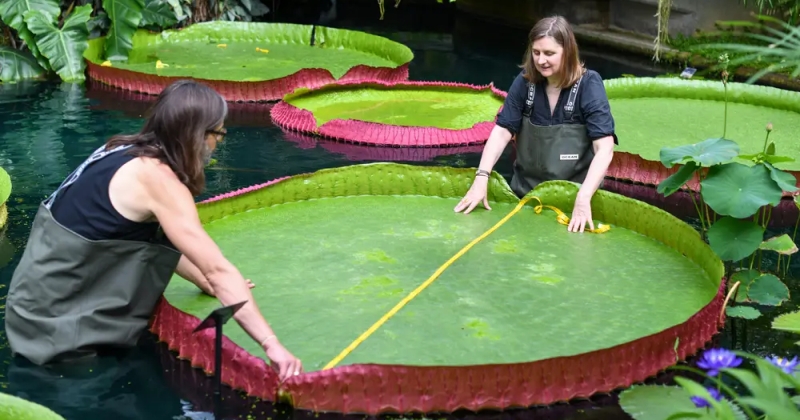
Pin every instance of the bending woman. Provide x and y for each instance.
(562, 121)
(105, 244)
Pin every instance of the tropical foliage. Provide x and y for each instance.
(53, 35)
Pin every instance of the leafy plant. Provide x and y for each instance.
(743, 197)
(768, 389)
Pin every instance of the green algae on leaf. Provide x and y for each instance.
(411, 105)
(274, 236)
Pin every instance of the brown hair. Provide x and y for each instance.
(560, 30)
(176, 128)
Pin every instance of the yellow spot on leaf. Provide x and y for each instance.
(222, 45)
(160, 65)
(261, 50)
(106, 63)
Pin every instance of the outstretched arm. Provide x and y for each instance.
(190, 272)
(174, 207)
(603, 154)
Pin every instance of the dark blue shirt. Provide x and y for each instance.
(593, 108)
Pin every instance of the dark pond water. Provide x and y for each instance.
(47, 129)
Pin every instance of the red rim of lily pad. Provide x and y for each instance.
(391, 388)
(358, 152)
(292, 118)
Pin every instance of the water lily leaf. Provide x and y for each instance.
(706, 153)
(732, 239)
(782, 244)
(125, 16)
(785, 180)
(738, 190)
(746, 312)
(18, 65)
(745, 279)
(63, 47)
(787, 322)
(768, 290)
(13, 407)
(656, 402)
(675, 181)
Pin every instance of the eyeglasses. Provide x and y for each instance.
(220, 133)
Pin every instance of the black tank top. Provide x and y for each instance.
(85, 206)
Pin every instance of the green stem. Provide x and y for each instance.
(725, 123)
(766, 142)
(699, 214)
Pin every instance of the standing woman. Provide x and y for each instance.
(105, 244)
(560, 115)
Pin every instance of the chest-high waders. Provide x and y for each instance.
(546, 153)
(70, 295)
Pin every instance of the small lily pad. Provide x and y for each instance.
(745, 279)
(706, 153)
(734, 239)
(768, 290)
(787, 322)
(782, 244)
(746, 312)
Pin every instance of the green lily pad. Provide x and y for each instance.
(706, 153)
(408, 105)
(5, 185)
(738, 190)
(745, 312)
(255, 51)
(787, 322)
(768, 290)
(745, 279)
(734, 239)
(782, 244)
(332, 252)
(658, 402)
(15, 408)
(657, 113)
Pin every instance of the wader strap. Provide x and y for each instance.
(94, 157)
(569, 107)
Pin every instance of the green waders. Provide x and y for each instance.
(70, 295)
(546, 153)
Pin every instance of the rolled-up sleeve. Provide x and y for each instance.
(595, 108)
(510, 116)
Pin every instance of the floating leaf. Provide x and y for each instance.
(656, 402)
(745, 279)
(787, 322)
(738, 190)
(675, 181)
(734, 239)
(706, 153)
(768, 290)
(746, 312)
(782, 244)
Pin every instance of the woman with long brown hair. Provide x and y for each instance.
(559, 114)
(105, 244)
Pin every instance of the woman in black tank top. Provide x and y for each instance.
(105, 244)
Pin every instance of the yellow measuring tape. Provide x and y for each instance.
(561, 218)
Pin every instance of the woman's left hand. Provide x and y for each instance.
(250, 284)
(581, 214)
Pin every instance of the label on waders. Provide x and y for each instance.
(568, 157)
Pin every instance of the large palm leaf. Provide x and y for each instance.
(777, 47)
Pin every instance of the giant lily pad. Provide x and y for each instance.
(656, 113)
(333, 251)
(251, 61)
(15, 408)
(396, 114)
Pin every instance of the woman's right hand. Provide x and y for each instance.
(475, 195)
(283, 362)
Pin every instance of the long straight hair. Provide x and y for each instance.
(560, 30)
(176, 128)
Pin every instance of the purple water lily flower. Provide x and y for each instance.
(786, 365)
(715, 359)
(701, 402)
